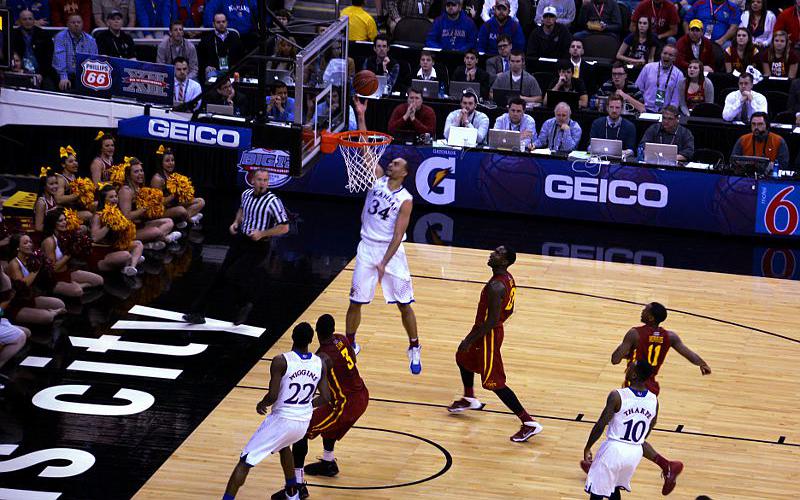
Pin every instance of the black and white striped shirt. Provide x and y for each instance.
(260, 213)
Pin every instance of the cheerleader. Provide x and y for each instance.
(177, 210)
(113, 248)
(101, 165)
(25, 306)
(69, 173)
(68, 282)
(46, 202)
(155, 232)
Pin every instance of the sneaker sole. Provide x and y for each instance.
(462, 410)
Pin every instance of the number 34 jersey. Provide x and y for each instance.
(298, 385)
(630, 424)
(381, 209)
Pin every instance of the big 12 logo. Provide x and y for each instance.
(96, 75)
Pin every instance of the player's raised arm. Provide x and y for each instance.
(400, 227)
(495, 296)
(276, 371)
(689, 354)
(625, 348)
(613, 403)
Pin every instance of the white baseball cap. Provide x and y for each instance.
(550, 10)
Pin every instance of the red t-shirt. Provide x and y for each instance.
(778, 67)
(660, 18)
(788, 21)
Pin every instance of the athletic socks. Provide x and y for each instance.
(228, 497)
(524, 417)
(413, 342)
(661, 462)
(328, 456)
(351, 338)
(298, 475)
(291, 487)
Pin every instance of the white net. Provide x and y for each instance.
(361, 160)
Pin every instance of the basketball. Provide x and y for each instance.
(365, 82)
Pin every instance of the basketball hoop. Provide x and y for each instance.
(361, 150)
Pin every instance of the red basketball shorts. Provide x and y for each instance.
(332, 421)
(483, 357)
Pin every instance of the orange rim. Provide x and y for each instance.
(353, 138)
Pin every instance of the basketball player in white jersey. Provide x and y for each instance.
(381, 256)
(630, 414)
(294, 378)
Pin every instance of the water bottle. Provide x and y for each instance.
(776, 170)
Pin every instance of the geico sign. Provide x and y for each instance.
(189, 132)
(618, 192)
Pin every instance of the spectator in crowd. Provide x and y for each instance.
(516, 78)
(190, 12)
(61, 10)
(660, 82)
(779, 59)
(720, 19)
(741, 53)
(398, 9)
(186, 89)
(501, 24)
(453, 30)
(693, 45)
(470, 72)
(220, 49)
(174, 45)
(551, 39)
(639, 48)
(670, 131)
(362, 25)
(499, 63)
(517, 119)
(619, 84)
(280, 107)
(599, 16)
(760, 22)
(34, 46)
(565, 82)
(226, 95)
(382, 63)
(696, 88)
(66, 45)
(793, 103)
(426, 69)
(240, 14)
(565, 11)
(413, 118)
(468, 117)
(102, 9)
(789, 21)
(155, 14)
(579, 67)
(16, 67)
(114, 42)
(741, 104)
(39, 9)
(285, 49)
(663, 16)
(337, 68)
(488, 9)
(560, 133)
(761, 142)
(614, 126)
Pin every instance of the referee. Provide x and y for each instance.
(261, 215)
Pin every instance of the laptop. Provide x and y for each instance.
(556, 96)
(502, 96)
(220, 109)
(457, 89)
(463, 137)
(660, 154)
(504, 139)
(428, 88)
(606, 147)
(747, 166)
(382, 82)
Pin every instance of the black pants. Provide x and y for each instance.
(241, 272)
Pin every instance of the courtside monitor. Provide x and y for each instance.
(750, 166)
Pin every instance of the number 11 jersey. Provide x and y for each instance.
(380, 212)
(298, 385)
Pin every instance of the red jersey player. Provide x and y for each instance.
(479, 352)
(651, 342)
(349, 400)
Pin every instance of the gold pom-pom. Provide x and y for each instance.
(152, 201)
(84, 188)
(117, 175)
(73, 221)
(124, 229)
(181, 186)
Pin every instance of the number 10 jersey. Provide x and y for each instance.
(298, 385)
(381, 208)
(631, 423)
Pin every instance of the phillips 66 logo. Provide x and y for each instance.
(96, 75)
(778, 211)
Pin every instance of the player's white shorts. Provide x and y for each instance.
(613, 466)
(8, 332)
(396, 282)
(274, 434)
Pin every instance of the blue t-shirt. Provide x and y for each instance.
(716, 18)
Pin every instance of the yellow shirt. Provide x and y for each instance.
(362, 25)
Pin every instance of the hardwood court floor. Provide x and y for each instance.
(569, 316)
